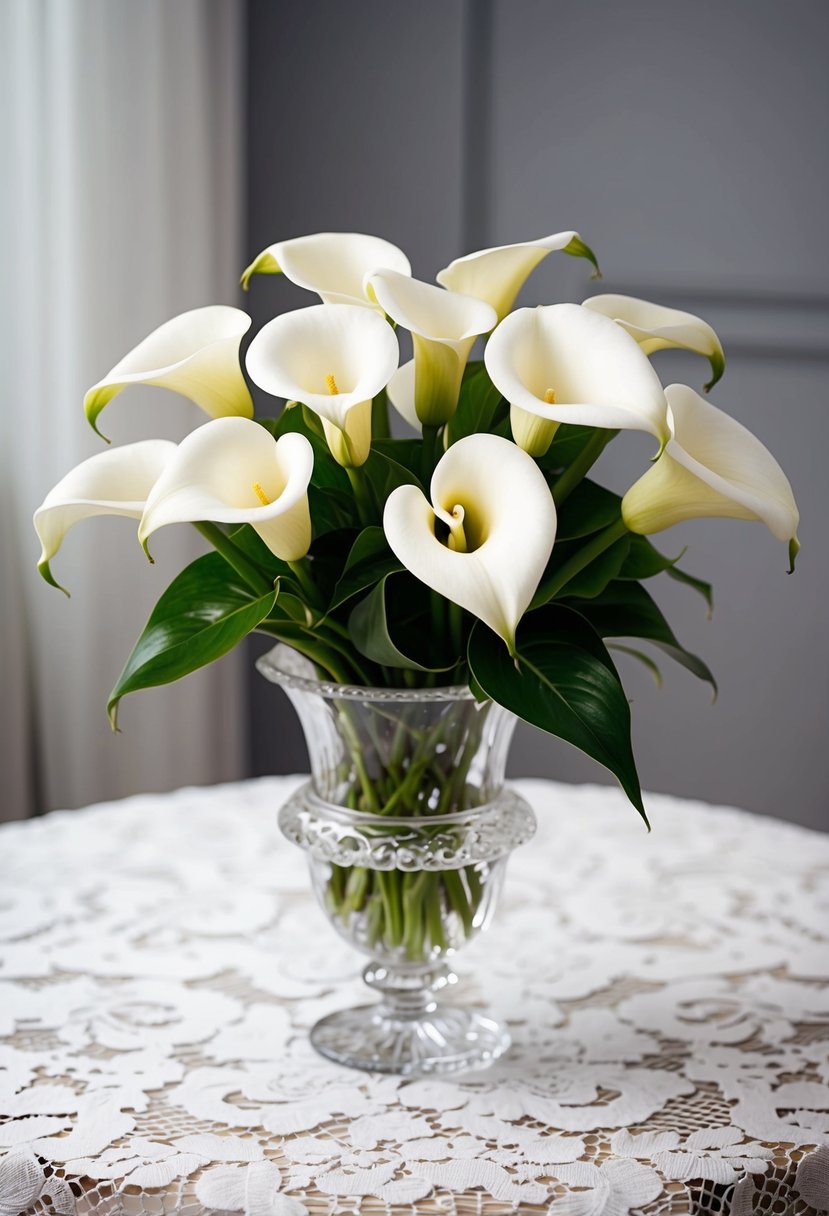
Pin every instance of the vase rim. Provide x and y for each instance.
(285, 666)
(505, 799)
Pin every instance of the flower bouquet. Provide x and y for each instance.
(425, 590)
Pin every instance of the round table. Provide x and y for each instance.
(161, 961)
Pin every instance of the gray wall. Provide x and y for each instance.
(687, 144)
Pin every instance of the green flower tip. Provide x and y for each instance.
(45, 573)
(580, 249)
(717, 361)
(265, 263)
(94, 402)
(145, 545)
(794, 549)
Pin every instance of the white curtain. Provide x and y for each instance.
(121, 206)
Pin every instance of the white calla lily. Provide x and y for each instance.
(496, 509)
(333, 264)
(444, 326)
(563, 363)
(195, 354)
(115, 482)
(233, 471)
(712, 466)
(658, 328)
(498, 274)
(334, 358)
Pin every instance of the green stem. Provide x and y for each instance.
(302, 573)
(585, 460)
(380, 428)
(559, 579)
(431, 450)
(233, 555)
(362, 495)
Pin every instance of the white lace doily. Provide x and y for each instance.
(161, 961)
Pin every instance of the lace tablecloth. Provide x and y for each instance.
(161, 961)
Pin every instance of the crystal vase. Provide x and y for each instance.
(407, 827)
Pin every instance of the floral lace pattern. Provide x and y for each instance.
(668, 995)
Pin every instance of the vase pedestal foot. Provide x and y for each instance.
(440, 1040)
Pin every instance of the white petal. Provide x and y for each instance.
(714, 467)
(497, 275)
(333, 264)
(401, 391)
(509, 521)
(214, 476)
(444, 326)
(658, 328)
(431, 312)
(597, 372)
(294, 354)
(351, 443)
(115, 482)
(195, 354)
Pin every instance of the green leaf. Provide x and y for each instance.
(480, 404)
(698, 584)
(202, 615)
(408, 452)
(587, 582)
(644, 659)
(626, 610)
(592, 580)
(589, 508)
(386, 474)
(645, 561)
(568, 443)
(369, 561)
(563, 680)
(399, 642)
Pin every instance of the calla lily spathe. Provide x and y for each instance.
(444, 326)
(195, 354)
(401, 393)
(334, 358)
(333, 264)
(233, 471)
(498, 274)
(495, 507)
(115, 482)
(658, 328)
(711, 466)
(564, 363)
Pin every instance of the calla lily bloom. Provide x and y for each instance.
(492, 504)
(657, 328)
(401, 393)
(711, 466)
(115, 482)
(497, 275)
(564, 363)
(333, 264)
(444, 326)
(334, 358)
(233, 471)
(195, 354)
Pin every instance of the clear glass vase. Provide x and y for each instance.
(407, 827)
